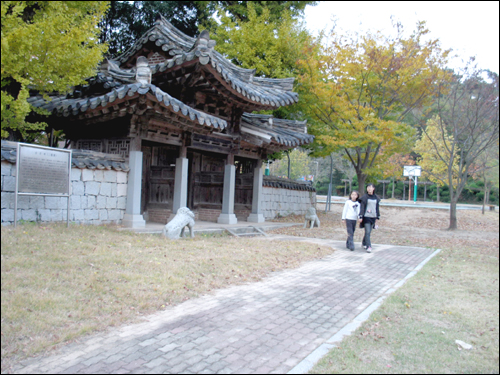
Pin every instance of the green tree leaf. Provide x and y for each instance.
(47, 46)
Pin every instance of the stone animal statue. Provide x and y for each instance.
(175, 227)
(312, 218)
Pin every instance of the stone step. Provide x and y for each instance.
(250, 231)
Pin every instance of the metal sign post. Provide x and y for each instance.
(42, 171)
(415, 195)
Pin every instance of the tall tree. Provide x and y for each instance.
(127, 21)
(46, 46)
(239, 11)
(269, 46)
(357, 90)
(486, 170)
(267, 41)
(466, 128)
(298, 163)
(435, 158)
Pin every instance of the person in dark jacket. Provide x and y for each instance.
(369, 213)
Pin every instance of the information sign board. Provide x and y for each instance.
(42, 171)
(412, 170)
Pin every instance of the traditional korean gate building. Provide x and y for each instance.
(182, 115)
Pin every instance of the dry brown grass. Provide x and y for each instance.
(60, 284)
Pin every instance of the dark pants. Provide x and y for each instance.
(366, 238)
(351, 227)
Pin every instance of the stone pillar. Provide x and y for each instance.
(133, 217)
(227, 215)
(256, 216)
(181, 184)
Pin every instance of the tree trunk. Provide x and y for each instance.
(453, 214)
(484, 202)
(486, 196)
(361, 183)
(437, 189)
(393, 183)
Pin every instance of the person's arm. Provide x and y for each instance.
(344, 212)
(378, 210)
(362, 207)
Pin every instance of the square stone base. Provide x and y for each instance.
(227, 219)
(256, 218)
(133, 221)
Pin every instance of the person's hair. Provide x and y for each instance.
(370, 185)
(354, 191)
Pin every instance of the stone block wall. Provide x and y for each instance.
(283, 202)
(98, 196)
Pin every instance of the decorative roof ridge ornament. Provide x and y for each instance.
(111, 68)
(143, 71)
(203, 47)
(168, 33)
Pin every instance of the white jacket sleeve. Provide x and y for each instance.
(344, 213)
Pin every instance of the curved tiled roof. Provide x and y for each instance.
(114, 85)
(64, 106)
(79, 158)
(283, 183)
(284, 132)
(265, 91)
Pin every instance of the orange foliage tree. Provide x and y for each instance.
(356, 92)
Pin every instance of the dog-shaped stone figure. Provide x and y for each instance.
(312, 218)
(175, 228)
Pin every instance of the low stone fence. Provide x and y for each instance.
(98, 191)
(282, 197)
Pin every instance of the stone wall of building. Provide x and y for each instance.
(97, 197)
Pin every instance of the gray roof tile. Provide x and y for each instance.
(65, 107)
(267, 91)
(285, 132)
(79, 158)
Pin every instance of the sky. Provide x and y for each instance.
(470, 28)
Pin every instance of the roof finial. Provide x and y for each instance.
(143, 74)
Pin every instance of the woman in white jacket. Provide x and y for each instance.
(350, 217)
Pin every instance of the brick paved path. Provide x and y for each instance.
(264, 327)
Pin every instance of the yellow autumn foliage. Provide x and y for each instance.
(437, 153)
(357, 90)
(46, 46)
